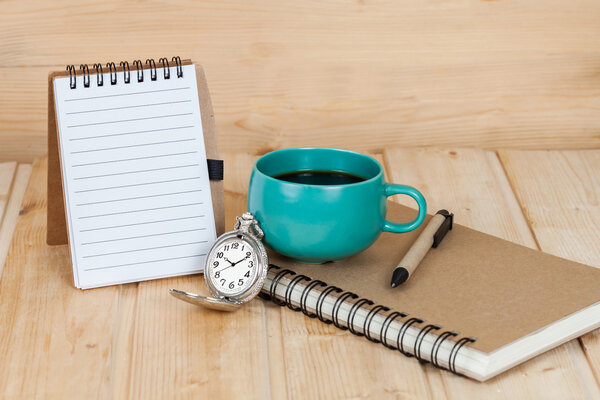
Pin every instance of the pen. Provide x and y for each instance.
(431, 236)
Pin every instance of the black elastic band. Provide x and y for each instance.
(215, 169)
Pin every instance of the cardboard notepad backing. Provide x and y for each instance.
(473, 283)
(56, 218)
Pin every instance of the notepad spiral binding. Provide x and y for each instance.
(270, 294)
(112, 68)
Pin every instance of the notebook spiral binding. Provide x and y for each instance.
(112, 68)
(373, 311)
(215, 167)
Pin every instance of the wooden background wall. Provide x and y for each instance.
(358, 74)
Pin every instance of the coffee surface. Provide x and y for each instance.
(313, 177)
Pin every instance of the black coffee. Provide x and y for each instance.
(320, 177)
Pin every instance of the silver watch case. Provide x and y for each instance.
(262, 268)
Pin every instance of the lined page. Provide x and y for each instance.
(134, 171)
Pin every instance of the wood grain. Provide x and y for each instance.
(11, 204)
(134, 341)
(471, 184)
(188, 342)
(55, 340)
(560, 194)
(362, 75)
(7, 171)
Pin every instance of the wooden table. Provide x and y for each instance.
(363, 75)
(135, 341)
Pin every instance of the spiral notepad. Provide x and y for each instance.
(362, 317)
(134, 170)
(476, 306)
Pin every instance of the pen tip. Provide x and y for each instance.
(399, 276)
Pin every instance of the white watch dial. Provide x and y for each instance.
(233, 266)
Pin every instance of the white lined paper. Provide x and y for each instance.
(134, 172)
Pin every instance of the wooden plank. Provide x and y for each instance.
(11, 212)
(7, 171)
(118, 376)
(40, 34)
(319, 74)
(55, 340)
(560, 192)
(471, 184)
(115, 337)
(179, 350)
(314, 360)
(202, 353)
(238, 167)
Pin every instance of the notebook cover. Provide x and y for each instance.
(474, 283)
(56, 233)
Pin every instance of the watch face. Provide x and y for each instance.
(232, 266)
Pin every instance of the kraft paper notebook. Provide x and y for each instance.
(477, 305)
(134, 180)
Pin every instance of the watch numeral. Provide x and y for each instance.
(247, 274)
(220, 254)
(217, 274)
(226, 248)
(216, 264)
(240, 282)
(222, 282)
(231, 285)
(248, 254)
(250, 264)
(235, 245)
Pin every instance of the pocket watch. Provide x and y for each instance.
(235, 268)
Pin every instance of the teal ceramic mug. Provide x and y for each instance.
(317, 223)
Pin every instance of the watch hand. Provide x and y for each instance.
(226, 259)
(237, 262)
(223, 269)
(233, 264)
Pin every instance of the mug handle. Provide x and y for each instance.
(390, 189)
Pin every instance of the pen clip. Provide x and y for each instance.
(444, 228)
